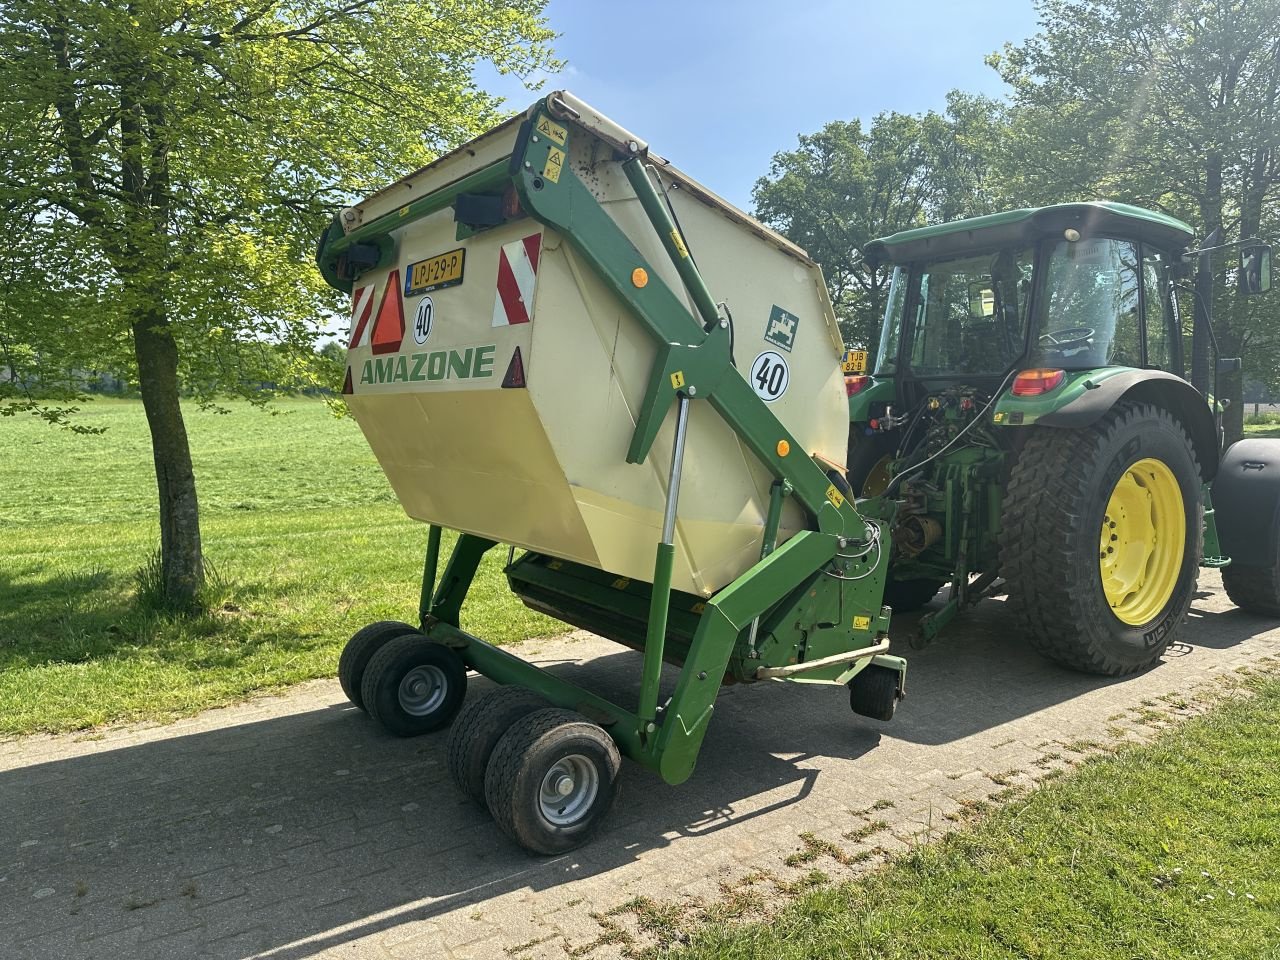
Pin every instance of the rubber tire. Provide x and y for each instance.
(864, 453)
(873, 692)
(520, 761)
(364, 643)
(908, 595)
(477, 730)
(1053, 508)
(1254, 589)
(380, 687)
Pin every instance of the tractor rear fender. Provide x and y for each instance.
(1147, 386)
(1246, 499)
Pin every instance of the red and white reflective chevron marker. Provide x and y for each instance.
(361, 311)
(517, 276)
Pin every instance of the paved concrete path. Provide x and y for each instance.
(290, 827)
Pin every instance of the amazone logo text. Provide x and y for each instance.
(474, 363)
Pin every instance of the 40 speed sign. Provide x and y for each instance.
(769, 376)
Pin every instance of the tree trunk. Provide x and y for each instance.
(181, 559)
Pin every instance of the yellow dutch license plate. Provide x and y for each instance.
(444, 270)
(855, 361)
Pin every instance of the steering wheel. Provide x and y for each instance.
(1067, 337)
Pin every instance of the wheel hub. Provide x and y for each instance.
(568, 790)
(422, 690)
(1141, 542)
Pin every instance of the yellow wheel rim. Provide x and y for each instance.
(878, 479)
(1144, 532)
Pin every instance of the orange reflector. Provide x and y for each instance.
(511, 204)
(639, 277)
(854, 385)
(1032, 383)
(783, 448)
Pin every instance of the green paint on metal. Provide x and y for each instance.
(429, 566)
(880, 390)
(446, 605)
(1211, 554)
(1011, 411)
(651, 674)
(638, 175)
(1010, 226)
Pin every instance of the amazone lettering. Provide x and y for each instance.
(473, 363)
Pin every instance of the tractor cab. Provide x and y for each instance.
(1048, 291)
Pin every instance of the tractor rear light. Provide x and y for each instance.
(854, 385)
(1032, 383)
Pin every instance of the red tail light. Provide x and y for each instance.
(1032, 383)
(854, 385)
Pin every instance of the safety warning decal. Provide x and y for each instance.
(361, 311)
(549, 128)
(555, 163)
(386, 331)
(388, 325)
(517, 278)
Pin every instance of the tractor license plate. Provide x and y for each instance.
(855, 361)
(444, 270)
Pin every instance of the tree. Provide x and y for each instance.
(1166, 103)
(183, 158)
(845, 185)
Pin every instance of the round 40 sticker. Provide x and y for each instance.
(422, 322)
(769, 375)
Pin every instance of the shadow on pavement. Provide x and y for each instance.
(303, 832)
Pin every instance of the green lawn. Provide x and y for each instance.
(303, 531)
(1163, 851)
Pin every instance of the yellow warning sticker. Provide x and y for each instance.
(552, 130)
(855, 361)
(621, 583)
(677, 380)
(698, 608)
(554, 565)
(835, 496)
(404, 211)
(862, 623)
(678, 242)
(555, 163)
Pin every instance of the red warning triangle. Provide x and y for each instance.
(515, 371)
(388, 326)
(346, 384)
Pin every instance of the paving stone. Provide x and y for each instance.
(290, 827)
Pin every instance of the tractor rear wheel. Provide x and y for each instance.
(1101, 538)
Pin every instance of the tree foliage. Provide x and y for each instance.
(1170, 104)
(846, 185)
(169, 165)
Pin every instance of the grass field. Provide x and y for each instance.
(1163, 851)
(303, 532)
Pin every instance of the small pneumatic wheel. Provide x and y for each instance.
(481, 724)
(552, 779)
(873, 692)
(413, 685)
(360, 649)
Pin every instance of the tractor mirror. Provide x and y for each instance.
(1255, 268)
(982, 300)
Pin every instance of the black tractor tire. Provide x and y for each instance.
(525, 762)
(873, 692)
(1254, 589)
(364, 643)
(1058, 494)
(865, 454)
(414, 685)
(908, 595)
(476, 732)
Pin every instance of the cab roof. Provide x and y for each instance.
(1021, 227)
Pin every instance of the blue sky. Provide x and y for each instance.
(719, 86)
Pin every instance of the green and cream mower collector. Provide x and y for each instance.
(563, 347)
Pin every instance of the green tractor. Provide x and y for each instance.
(1029, 412)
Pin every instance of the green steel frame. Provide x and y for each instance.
(817, 597)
